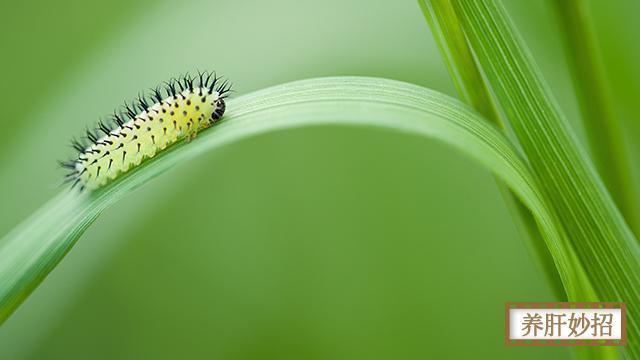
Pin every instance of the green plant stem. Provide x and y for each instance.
(473, 90)
(465, 74)
(32, 250)
(606, 141)
(603, 241)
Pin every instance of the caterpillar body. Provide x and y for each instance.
(145, 127)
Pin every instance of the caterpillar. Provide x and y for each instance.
(146, 126)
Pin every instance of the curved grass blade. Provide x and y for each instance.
(32, 250)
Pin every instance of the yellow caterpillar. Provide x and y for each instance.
(146, 127)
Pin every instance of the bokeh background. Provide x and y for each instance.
(319, 243)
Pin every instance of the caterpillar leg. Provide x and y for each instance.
(190, 136)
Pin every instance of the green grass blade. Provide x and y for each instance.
(451, 41)
(598, 232)
(606, 142)
(31, 250)
(473, 90)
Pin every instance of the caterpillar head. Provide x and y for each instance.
(219, 109)
(223, 91)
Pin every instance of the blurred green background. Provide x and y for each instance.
(319, 243)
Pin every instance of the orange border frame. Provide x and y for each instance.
(566, 305)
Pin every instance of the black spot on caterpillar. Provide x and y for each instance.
(132, 136)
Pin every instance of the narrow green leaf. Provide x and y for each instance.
(451, 41)
(473, 90)
(32, 250)
(598, 232)
(606, 142)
